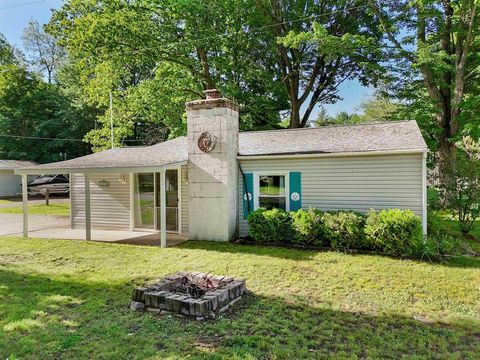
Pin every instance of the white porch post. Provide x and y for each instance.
(132, 201)
(163, 212)
(88, 223)
(25, 204)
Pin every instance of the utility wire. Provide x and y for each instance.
(23, 4)
(50, 138)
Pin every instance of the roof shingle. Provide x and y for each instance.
(388, 136)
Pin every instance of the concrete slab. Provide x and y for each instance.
(11, 224)
(108, 236)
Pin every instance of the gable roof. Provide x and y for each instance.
(388, 136)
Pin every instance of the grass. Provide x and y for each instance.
(60, 209)
(68, 299)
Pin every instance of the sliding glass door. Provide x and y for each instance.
(147, 197)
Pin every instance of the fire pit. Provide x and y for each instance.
(194, 294)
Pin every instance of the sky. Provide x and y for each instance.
(15, 15)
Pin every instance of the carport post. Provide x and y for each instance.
(25, 204)
(88, 224)
(163, 212)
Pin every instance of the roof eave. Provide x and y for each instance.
(97, 170)
(331, 154)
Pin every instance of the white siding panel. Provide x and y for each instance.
(184, 197)
(349, 183)
(110, 205)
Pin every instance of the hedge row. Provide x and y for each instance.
(394, 232)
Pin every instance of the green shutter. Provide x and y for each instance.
(247, 194)
(295, 197)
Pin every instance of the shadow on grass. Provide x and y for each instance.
(67, 318)
(308, 254)
(260, 250)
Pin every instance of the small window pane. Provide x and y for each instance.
(272, 185)
(272, 202)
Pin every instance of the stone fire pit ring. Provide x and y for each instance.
(192, 294)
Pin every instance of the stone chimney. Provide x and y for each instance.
(213, 126)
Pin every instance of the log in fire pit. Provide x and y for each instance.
(194, 294)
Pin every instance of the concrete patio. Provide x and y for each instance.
(58, 227)
(107, 236)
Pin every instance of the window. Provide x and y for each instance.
(272, 191)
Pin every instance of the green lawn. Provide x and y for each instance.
(60, 209)
(68, 299)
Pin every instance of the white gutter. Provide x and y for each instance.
(340, 154)
(98, 170)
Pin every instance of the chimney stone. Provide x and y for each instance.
(213, 126)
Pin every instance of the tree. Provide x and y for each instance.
(44, 52)
(320, 44)
(33, 114)
(8, 54)
(125, 47)
(378, 108)
(461, 182)
(437, 42)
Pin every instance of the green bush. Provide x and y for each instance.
(308, 227)
(344, 229)
(269, 226)
(436, 246)
(395, 232)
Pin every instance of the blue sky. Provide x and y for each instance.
(15, 14)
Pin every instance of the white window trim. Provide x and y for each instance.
(256, 187)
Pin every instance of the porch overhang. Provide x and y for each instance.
(97, 169)
(87, 171)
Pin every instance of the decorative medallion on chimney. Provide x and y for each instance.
(206, 142)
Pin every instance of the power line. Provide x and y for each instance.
(59, 139)
(23, 4)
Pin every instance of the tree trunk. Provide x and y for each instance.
(295, 113)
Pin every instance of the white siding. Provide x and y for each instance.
(355, 183)
(10, 185)
(110, 206)
(184, 199)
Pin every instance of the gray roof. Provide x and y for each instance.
(15, 164)
(388, 136)
(7, 167)
(168, 152)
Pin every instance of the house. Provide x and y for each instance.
(11, 184)
(204, 185)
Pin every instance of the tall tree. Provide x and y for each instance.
(8, 53)
(436, 41)
(42, 49)
(320, 44)
(37, 118)
(126, 46)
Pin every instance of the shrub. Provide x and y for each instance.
(344, 229)
(460, 183)
(436, 246)
(308, 227)
(269, 225)
(395, 232)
